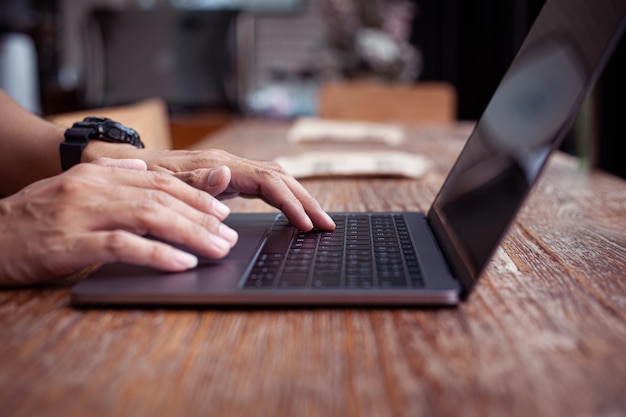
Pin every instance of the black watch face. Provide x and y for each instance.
(116, 132)
(107, 130)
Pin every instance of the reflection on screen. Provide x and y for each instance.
(509, 147)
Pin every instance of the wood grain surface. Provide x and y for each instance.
(544, 333)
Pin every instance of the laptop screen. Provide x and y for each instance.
(533, 108)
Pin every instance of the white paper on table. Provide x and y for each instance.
(323, 130)
(354, 164)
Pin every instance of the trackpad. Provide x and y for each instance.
(211, 274)
(247, 244)
(251, 229)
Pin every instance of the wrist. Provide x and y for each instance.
(82, 135)
(97, 149)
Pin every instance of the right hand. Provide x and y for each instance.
(97, 213)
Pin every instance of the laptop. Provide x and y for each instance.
(407, 258)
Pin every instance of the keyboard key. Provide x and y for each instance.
(365, 251)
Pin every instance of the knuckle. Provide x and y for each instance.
(221, 153)
(158, 198)
(267, 174)
(211, 223)
(116, 243)
(147, 208)
(69, 186)
(145, 214)
(161, 180)
(194, 231)
(202, 199)
(188, 177)
(276, 167)
(156, 252)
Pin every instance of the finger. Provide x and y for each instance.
(319, 217)
(249, 179)
(151, 180)
(276, 193)
(287, 194)
(161, 215)
(139, 204)
(121, 246)
(137, 164)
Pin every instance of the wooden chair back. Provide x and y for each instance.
(148, 117)
(430, 102)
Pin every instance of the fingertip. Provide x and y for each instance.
(321, 221)
(219, 245)
(221, 209)
(183, 260)
(308, 225)
(329, 223)
(228, 234)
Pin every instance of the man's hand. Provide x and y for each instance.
(225, 176)
(98, 213)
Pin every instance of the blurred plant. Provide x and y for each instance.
(370, 38)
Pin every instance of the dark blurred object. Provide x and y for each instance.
(184, 57)
(16, 16)
(609, 99)
(471, 44)
(40, 21)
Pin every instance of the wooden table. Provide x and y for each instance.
(544, 334)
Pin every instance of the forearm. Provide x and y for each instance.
(29, 147)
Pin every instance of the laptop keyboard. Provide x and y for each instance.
(365, 251)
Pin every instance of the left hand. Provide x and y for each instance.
(224, 175)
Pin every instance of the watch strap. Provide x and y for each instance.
(71, 150)
(99, 128)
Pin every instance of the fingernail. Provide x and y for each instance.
(219, 242)
(214, 177)
(222, 209)
(185, 260)
(228, 234)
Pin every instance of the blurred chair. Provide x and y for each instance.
(423, 102)
(148, 117)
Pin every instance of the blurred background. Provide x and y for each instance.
(213, 61)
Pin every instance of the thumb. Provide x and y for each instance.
(217, 181)
(213, 181)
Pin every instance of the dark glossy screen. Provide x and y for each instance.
(532, 110)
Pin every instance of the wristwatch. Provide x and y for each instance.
(99, 128)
